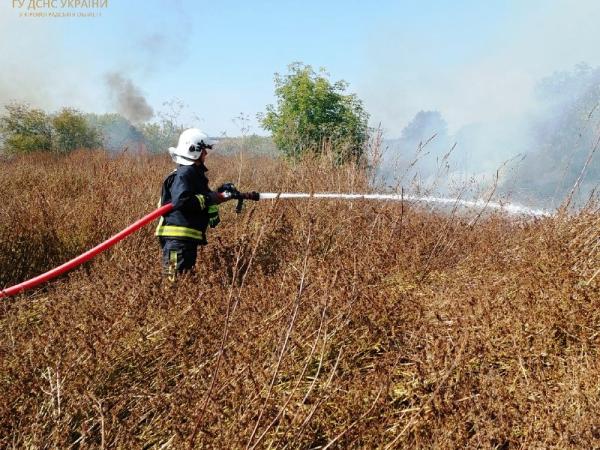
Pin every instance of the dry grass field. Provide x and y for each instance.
(308, 324)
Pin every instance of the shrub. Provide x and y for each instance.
(311, 111)
(356, 324)
(25, 129)
(115, 130)
(71, 131)
(160, 136)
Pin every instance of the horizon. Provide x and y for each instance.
(476, 63)
(491, 81)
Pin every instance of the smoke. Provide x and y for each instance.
(35, 68)
(564, 135)
(492, 83)
(159, 51)
(116, 131)
(538, 155)
(128, 99)
(419, 154)
(38, 66)
(147, 56)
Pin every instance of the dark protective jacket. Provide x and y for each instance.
(193, 204)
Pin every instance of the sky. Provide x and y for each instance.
(474, 61)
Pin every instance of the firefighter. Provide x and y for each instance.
(195, 205)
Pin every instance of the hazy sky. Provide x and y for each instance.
(472, 60)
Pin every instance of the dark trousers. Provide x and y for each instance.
(178, 255)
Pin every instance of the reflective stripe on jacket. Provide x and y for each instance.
(187, 189)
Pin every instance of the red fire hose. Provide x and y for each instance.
(87, 255)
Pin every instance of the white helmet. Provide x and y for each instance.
(190, 145)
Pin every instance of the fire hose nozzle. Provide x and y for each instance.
(254, 196)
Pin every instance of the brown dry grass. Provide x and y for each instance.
(308, 324)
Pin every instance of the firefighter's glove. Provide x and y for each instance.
(213, 216)
(229, 191)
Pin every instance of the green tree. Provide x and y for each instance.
(25, 129)
(164, 133)
(72, 131)
(311, 111)
(161, 135)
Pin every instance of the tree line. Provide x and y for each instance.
(312, 113)
(26, 129)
